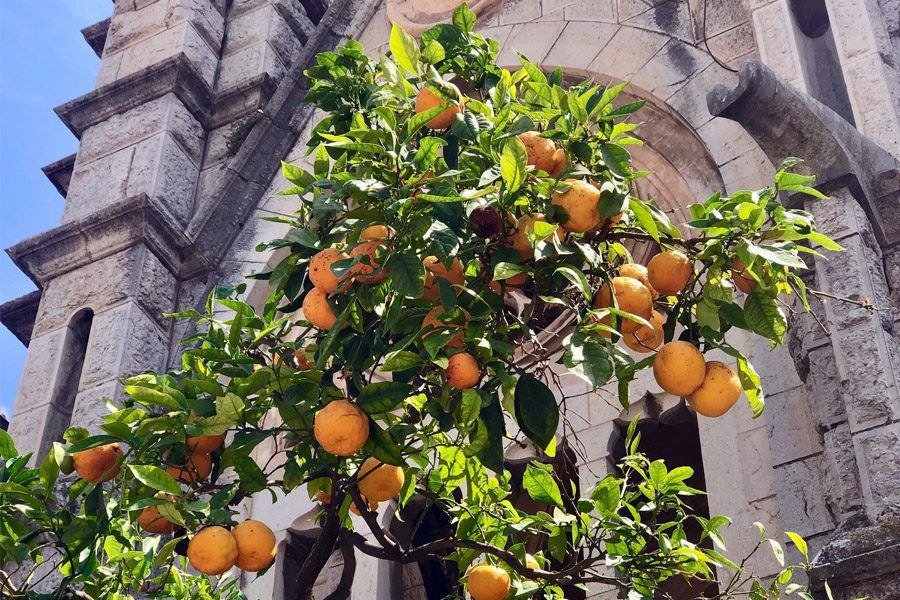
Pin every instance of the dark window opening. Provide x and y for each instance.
(819, 57)
(315, 9)
(68, 378)
(674, 437)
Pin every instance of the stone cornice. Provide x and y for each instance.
(59, 173)
(95, 35)
(119, 226)
(173, 75)
(18, 315)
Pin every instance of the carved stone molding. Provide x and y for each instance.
(415, 16)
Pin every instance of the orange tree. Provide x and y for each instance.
(461, 242)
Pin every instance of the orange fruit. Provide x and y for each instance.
(487, 582)
(317, 310)
(434, 268)
(426, 100)
(256, 547)
(631, 295)
(212, 551)
(679, 368)
(745, 283)
(647, 339)
(372, 505)
(322, 276)
(197, 466)
(98, 464)
(376, 232)
(720, 389)
(519, 240)
(432, 320)
(152, 521)
(542, 153)
(582, 203)
(670, 271)
(639, 272)
(462, 371)
(341, 428)
(364, 272)
(378, 481)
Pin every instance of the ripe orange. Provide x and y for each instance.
(582, 203)
(462, 372)
(205, 444)
(646, 339)
(197, 466)
(434, 268)
(322, 276)
(426, 100)
(519, 240)
(670, 271)
(255, 545)
(487, 582)
(151, 521)
(364, 272)
(376, 232)
(98, 464)
(631, 295)
(212, 551)
(341, 428)
(542, 153)
(378, 481)
(317, 310)
(745, 283)
(679, 368)
(639, 272)
(720, 389)
(432, 320)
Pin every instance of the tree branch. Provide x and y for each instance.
(347, 574)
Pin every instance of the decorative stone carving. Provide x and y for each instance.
(415, 16)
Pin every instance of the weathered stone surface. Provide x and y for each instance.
(248, 63)
(879, 451)
(842, 490)
(775, 36)
(261, 26)
(869, 384)
(90, 405)
(801, 495)
(826, 388)
(589, 10)
(791, 429)
(163, 171)
(579, 44)
(181, 39)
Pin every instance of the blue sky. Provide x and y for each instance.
(44, 61)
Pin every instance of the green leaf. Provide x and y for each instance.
(644, 217)
(781, 256)
(799, 542)
(464, 17)
(752, 387)
(427, 152)
(577, 277)
(764, 317)
(7, 446)
(616, 159)
(382, 446)
(433, 52)
(400, 360)
(405, 49)
(468, 410)
(465, 126)
(513, 161)
(777, 551)
(541, 487)
(382, 396)
(536, 411)
(407, 274)
(155, 478)
(589, 359)
(296, 175)
(505, 270)
(229, 407)
(150, 397)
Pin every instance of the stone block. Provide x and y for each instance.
(519, 11)
(869, 383)
(732, 44)
(851, 39)
(36, 429)
(134, 272)
(43, 363)
(690, 99)
(856, 274)
(128, 28)
(670, 18)
(579, 44)
(726, 140)
(720, 16)
(98, 183)
(124, 341)
(840, 216)
(627, 52)
(872, 86)
(843, 491)
(801, 496)
(163, 171)
(263, 25)
(182, 38)
(109, 69)
(826, 388)
(378, 31)
(248, 63)
(878, 454)
(792, 431)
(207, 16)
(165, 113)
(534, 40)
(90, 405)
(757, 473)
(590, 10)
(775, 36)
(593, 443)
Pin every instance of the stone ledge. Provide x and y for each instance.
(95, 35)
(121, 225)
(18, 315)
(60, 173)
(175, 74)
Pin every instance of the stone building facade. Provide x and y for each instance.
(197, 101)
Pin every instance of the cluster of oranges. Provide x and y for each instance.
(250, 546)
